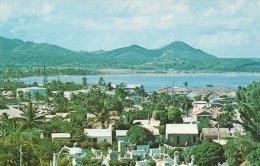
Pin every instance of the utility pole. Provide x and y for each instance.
(21, 155)
(44, 75)
(173, 87)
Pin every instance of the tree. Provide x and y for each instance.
(109, 86)
(9, 152)
(29, 116)
(204, 123)
(186, 104)
(101, 82)
(185, 84)
(174, 115)
(84, 82)
(206, 154)
(139, 91)
(226, 119)
(139, 135)
(120, 91)
(248, 100)
(5, 124)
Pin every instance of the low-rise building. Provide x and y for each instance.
(99, 135)
(32, 91)
(60, 136)
(210, 134)
(181, 134)
(121, 135)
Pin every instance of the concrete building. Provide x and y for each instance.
(99, 135)
(181, 134)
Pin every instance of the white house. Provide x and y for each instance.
(60, 136)
(32, 91)
(99, 135)
(68, 94)
(181, 134)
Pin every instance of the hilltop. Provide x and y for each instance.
(177, 56)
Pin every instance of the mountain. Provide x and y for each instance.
(181, 50)
(177, 55)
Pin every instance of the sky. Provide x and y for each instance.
(224, 28)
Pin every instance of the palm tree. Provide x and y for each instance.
(103, 116)
(84, 82)
(37, 96)
(185, 84)
(5, 124)
(29, 116)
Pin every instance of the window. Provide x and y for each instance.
(178, 140)
(105, 140)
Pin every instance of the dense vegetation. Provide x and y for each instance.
(25, 131)
(177, 56)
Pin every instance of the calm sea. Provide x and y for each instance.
(157, 82)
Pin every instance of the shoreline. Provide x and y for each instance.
(229, 74)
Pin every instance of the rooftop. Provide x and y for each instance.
(98, 132)
(60, 135)
(121, 132)
(181, 129)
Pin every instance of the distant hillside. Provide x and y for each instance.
(177, 56)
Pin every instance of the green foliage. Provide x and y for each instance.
(174, 115)
(248, 100)
(122, 162)
(206, 154)
(139, 135)
(177, 55)
(9, 152)
(88, 162)
(29, 116)
(204, 123)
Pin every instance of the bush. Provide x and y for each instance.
(103, 145)
(121, 162)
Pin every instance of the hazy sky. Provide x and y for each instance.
(225, 28)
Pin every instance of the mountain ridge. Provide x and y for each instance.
(177, 55)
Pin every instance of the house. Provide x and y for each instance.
(32, 91)
(11, 112)
(121, 135)
(202, 115)
(68, 94)
(200, 104)
(210, 134)
(60, 136)
(181, 134)
(99, 135)
(188, 120)
(151, 125)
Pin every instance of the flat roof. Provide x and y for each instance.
(98, 132)
(60, 135)
(121, 132)
(12, 113)
(181, 129)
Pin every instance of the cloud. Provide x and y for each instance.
(109, 24)
(4, 11)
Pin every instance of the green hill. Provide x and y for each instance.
(176, 56)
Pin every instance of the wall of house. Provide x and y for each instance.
(182, 139)
(121, 138)
(203, 117)
(104, 139)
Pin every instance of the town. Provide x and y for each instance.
(64, 123)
